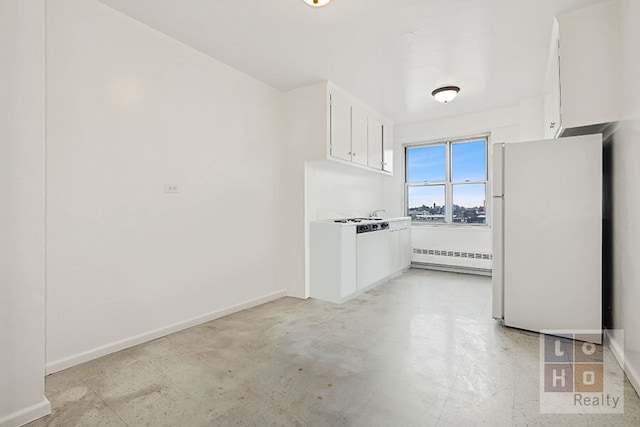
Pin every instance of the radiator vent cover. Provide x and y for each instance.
(455, 254)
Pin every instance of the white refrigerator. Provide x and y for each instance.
(547, 234)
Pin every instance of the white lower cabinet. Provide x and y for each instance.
(343, 263)
(332, 268)
(400, 249)
(406, 251)
(395, 264)
(372, 257)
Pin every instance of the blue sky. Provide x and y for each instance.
(429, 164)
(468, 161)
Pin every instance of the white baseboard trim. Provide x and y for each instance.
(618, 352)
(95, 353)
(634, 377)
(363, 290)
(615, 347)
(452, 268)
(399, 272)
(26, 415)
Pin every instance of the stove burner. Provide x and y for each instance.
(351, 220)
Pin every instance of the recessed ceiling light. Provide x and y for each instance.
(317, 3)
(446, 93)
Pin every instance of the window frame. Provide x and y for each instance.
(448, 183)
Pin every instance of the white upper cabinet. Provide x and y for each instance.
(359, 135)
(340, 138)
(581, 88)
(374, 156)
(552, 117)
(380, 141)
(327, 123)
(387, 147)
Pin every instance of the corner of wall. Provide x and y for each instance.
(26, 415)
(22, 148)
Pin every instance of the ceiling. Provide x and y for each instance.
(390, 54)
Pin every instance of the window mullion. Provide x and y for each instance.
(448, 188)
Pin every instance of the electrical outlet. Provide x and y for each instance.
(171, 188)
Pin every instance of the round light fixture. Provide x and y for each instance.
(445, 94)
(317, 3)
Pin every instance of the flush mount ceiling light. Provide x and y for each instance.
(317, 3)
(445, 94)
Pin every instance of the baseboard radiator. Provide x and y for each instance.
(452, 254)
(455, 254)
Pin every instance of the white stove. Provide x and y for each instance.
(365, 225)
(355, 220)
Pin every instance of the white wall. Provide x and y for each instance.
(22, 279)
(503, 125)
(307, 132)
(626, 197)
(531, 120)
(336, 190)
(130, 109)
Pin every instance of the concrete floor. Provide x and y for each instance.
(421, 350)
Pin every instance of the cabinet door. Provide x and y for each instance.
(406, 251)
(340, 127)
(347, 261)
(358, 135)
(332, 261)
(387, 147)
(372, 257)
(374, 141)
(590, 65)
(552, 115)
(395, 254)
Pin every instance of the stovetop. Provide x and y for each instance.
(354, 220)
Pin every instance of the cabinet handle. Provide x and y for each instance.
(353, 154)
(552, 125)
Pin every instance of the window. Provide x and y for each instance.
(446, 182)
